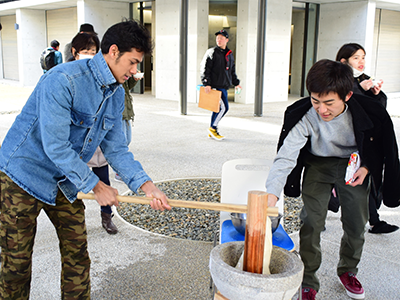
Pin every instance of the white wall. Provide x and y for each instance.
(197, 44)
(277, 56)
(167, 49)
(388, 49)
(101, 14)
(246, 49)
(350, 22)
(61, 25)
(31, 42)
(9, 48)
(278, 32)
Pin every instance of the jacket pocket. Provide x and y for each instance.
(80, 126)
(108, 122)
(82, 120)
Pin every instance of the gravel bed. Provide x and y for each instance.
(189, 223)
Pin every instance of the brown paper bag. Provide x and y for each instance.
(211, 100)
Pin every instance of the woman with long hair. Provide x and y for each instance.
(353, 55)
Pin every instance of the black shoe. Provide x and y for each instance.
(108, 224)
(383, 227)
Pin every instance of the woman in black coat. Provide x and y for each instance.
(354, 55)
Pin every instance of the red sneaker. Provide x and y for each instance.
(353, 287)
(308, 294)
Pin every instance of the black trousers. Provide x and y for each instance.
(102, 173)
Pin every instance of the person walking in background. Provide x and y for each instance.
(58, 56)
(51, 57)
(218, 72)
(319, 134)
(43, 160)
(353, 55)
(84, 28)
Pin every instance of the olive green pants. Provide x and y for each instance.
(320, 175)
(19, 212)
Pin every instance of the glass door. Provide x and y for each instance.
(142, 12)
(310, 41)
(303, 46)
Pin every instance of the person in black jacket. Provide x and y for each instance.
(353, 55)
(318, 136)
(218, 72)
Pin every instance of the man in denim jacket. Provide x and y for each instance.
(74, 108)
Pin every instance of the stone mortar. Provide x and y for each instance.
(285, 279)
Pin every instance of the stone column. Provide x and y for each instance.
(166, 50)
(350, 22)
(31, 42)
(197, 43)
(277, 54)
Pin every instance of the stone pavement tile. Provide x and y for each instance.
(135, 264)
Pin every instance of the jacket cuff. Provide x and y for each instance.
(138, 181)
(90, 183)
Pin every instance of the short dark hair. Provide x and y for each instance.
(54, 43)
(348, 50)
(126, 35)
(327, 76)
(83, 41)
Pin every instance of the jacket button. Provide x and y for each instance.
(81, 122)
(80, 157)
(90, 140)
(371, 138)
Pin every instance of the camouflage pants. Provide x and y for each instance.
(19, 212)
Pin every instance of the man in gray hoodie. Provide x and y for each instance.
(319, 135)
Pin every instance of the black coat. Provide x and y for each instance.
(219, 69)
(357, 89)
(376, 143)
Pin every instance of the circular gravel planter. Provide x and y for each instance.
(189, 223)
(184, 223)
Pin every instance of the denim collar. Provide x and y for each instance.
(101, 72)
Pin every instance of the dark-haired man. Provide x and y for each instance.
(218, 72)
(319, 134)
(73, 110)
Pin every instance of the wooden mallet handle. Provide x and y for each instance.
(237, 208)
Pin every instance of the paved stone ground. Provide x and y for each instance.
(139, 265)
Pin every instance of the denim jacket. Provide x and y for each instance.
(74, 108)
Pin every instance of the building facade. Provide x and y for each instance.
(296, 34)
